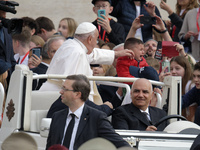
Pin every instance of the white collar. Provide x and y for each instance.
(45, 64)
(147, 110)
(82, 45)
(78, 112)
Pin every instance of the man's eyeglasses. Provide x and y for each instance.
(64, 89)
(103, 6)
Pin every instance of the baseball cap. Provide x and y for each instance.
(4, 66)
(94, 1)
(147, 72)
(84, 28)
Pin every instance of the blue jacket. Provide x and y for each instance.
(125, 12)
(190, 97)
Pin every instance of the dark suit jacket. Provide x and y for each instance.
(40, 69)
(6, 51)
(130, 117)
(58, 105)
(108, 93)
(93, 123)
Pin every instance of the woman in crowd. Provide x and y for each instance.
(190, 31)
(180, 66)
(67, 27)
(182, 7)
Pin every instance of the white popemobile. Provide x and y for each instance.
(25, 110)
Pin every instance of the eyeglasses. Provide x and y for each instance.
(103, 6)
(64, 89)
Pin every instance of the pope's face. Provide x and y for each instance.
(92, 42)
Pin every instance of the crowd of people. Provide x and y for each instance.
(128, 47)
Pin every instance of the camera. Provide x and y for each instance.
(14, 25)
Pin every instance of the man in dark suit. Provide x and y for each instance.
(6, 47)
(138, 115)
(87, 123)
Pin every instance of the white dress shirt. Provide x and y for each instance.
(18, 57)
(147, 113)
(77, 114)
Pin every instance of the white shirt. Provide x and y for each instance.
(78, 114)
(71, 58)
(182, 10)
(138, 33)
(18, 57)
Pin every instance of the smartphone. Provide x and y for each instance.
(166, 63)
(158, 54)
(147, 20)
(101, 12)
(36, 51)
(165, 1)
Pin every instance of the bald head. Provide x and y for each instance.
(141, 93)
(142, 81)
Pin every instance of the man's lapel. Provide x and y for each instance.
(83, 121)
(63, 118)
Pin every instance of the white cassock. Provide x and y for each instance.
(71, 58)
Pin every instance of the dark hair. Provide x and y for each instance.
(132, 41)
(182, 61)
(100, 42)
(45, 23)
(109, 44)
(24, 38)
(31, 23)
(197, 66)
(81, 84)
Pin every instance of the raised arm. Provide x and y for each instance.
(135, 25)
(160, 26)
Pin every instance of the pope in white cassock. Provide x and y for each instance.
(76, 55)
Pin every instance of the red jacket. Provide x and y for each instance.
(123, 64)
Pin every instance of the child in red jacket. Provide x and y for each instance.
(123, 63)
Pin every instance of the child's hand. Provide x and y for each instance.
(105, 23)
